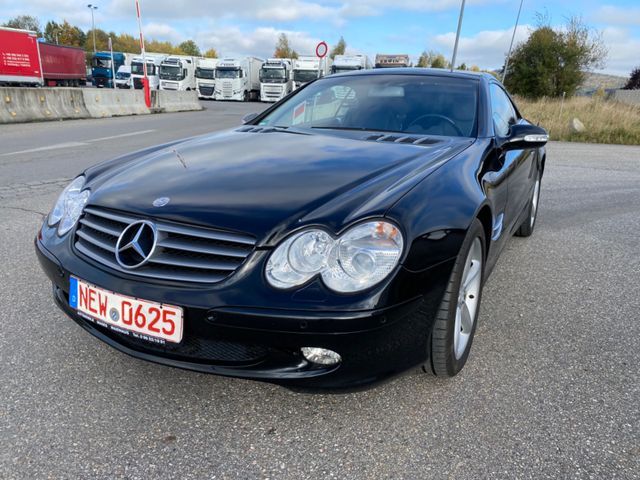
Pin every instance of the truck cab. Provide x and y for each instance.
(178, 73)
(153, 71)
(305, 70)
(102, 70)
(237, 79)
(205, 77)
(348, 63)
(275, 79)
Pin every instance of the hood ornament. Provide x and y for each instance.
(161, 201)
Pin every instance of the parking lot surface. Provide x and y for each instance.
(551, 390)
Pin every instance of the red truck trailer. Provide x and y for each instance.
(25, 61)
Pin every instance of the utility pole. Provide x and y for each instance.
(93, 24)
(455, 47)
(506, 62)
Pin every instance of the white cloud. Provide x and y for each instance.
(162, 31)
(609, 14)
(623, 51)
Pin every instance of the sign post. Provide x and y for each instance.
(113, 66)
(145, 79)
(321, 51)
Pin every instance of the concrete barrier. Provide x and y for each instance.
(173, 101)
(109, 102)
(36, 104)
(630, 97)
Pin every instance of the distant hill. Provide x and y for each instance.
(597, 80)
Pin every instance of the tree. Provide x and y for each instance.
(432, 59)
(634, 80)
(65, 34)
(283, 48)
(339, 49)
(25, 22)
(211, 53)
(189, 47)
(553, 62)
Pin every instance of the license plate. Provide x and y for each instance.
(150, 321)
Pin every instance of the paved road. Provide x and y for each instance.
(552, 389)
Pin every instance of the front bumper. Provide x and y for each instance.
(265, 344)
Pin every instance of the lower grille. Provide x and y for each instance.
(137, 83)
(182, 253)
(206, 91)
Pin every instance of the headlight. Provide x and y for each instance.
(361, 257)
(68, 208)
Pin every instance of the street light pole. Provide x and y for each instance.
(93, 24)
(455, 47)
(506, 62)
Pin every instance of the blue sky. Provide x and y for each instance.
(250, 27)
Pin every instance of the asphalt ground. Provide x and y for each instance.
(551, 390)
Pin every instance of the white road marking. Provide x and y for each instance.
(76, 144)
(130, 134)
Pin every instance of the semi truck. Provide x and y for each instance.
(153, 70)
(102, 70)
(25, 61)
(238, 79)
(205, 77)
(347, 63)
(392, 61)
(275, 79)
(178, 72)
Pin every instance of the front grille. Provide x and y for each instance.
(227, 90)
(183, 253)
(193, 348)
(137, 83)
(206, 91)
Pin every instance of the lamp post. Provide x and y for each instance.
(93, 24)
(455, 46)
(506, 63)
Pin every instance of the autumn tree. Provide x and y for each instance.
(25, 22)
(283, 48)
(339, 49)
(211, 53)
(64, 34)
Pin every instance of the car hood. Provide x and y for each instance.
(265, 184)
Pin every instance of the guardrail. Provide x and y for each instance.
(630, 97)
(41, 104)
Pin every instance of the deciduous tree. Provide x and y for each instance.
(283, 48)
(339, 49)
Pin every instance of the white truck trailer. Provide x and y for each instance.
(153, 70)
(347, 63)
(178, 72)
(392, 61)
(275, 79)
(238, 79)
(205, 77)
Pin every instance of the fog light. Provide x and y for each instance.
(321, 356)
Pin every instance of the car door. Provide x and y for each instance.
(517, 163)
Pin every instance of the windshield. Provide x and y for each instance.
(137, 69)
(101, 62)
(227, 73)
(171, 73)
(304, 76)
(273, 75)
(204, 73)
(335, 69)
(122, 75)
(411, 104)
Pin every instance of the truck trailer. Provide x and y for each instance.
(205, 77)
(25, 61)
(238, 79)
(348, 63)
(178, 72)
(275, 79)
(392, 61)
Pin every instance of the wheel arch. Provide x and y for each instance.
(485, 215)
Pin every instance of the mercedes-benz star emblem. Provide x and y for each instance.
(136, 244)
(161, 202)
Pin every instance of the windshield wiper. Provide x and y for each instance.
(359, 129)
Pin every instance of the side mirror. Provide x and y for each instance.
(525, 135)
(248, 117)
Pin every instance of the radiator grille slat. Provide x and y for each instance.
(183, 253)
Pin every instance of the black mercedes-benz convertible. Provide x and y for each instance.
(339, 237)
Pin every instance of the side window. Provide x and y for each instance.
(504, 115)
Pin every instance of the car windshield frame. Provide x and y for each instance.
(402, 101)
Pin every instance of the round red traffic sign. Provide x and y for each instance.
(321, 49)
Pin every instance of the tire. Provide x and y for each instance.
(529, 223)
(448, 352)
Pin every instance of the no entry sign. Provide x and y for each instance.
(321, 49)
